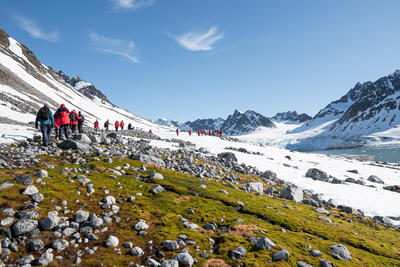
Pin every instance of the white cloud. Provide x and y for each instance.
(34, 30)
(124, 48)
(131, 4)
(200, 41)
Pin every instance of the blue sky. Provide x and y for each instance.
(188, 59)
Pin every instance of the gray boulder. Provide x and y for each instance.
(30, 190)
(375, 179)
(317, 174)
(157, 189)
(24, 179)
(70, 144)
(269, 175)
(156, 176)
(256, 187)
(24, 227)
(238, 252)
(184, 258)
(340, 252)
(170, 263)
(303, 264)
(48, 223)
(112, 241)
(227, 156)
(41, 174)
(136, 251)
(60, 244)
(264, 243)
(171, 245)
(81, 216)
(148, 159)
(46, 258)
(35, 244)
(292, 193)
(281, 255)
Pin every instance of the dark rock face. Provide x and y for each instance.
(88, 90)
(291, 116)
(368, 107)
(236, 124)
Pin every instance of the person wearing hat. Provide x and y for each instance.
(62, 117)
(46, 119)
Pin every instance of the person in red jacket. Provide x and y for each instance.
(150, 132)
(57, 128)
(96, 125)
(121, 124)
(177, 132)
(62, 117)
(198, 132)
(190, 133)
(116, 125)
(74, 118)
(209, 132)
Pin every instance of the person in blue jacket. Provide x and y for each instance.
(46, 119)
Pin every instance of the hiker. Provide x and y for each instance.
(116, 125)
(81, 119)
(130, 126)
(177, 131)
(209, 132)
(190, 133)
(106, 125)
(150, 132)
(62, 117)
(45, 117)
(96, 125)
(121, 124)
(74, 120)
(56, 128)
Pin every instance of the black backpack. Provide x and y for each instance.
(44, 114)
(72, 116)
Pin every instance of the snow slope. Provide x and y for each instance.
(26, 84)
(373, 201)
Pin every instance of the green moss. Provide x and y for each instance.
(369, 246)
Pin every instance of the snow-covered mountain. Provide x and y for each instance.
(291, 116)
(369, 114)
(83, 86)
(168, 122)
(26, 84)
(236, 124)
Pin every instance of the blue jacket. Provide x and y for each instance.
(50, 121)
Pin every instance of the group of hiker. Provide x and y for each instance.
(62, 121)
(117, 125)
(203, 132)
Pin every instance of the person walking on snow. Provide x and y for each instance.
(190, 133)
(46, 119)
(62, 117)
(150, 132)
(81, 119)
(130, 126)
(116, 125)
(96, 125)
(121, 124)
(74, 117)
(177, 132)
(106, 125)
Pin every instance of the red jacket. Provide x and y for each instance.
(121, 124)
(61, 117)
(76, 118)
(116, 124)
(96, 125)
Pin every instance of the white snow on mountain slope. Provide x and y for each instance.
(81, 84)
(20, 104)
(373, 201)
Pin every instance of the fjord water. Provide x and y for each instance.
(383, 154)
